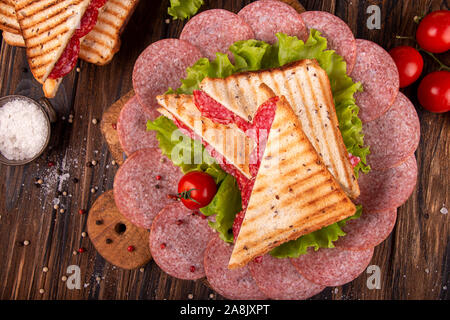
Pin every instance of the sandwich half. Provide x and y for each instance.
(306, 87)
(293, 194)
(47, 28)
(226, 139)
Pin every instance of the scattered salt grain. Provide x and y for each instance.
(23, 130)
(444, 210)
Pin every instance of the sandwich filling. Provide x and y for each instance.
(69, 57)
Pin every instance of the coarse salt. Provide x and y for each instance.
(23, 130)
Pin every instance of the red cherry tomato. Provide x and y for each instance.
(434, 92)
(196, 189)
(433, 33)
(409, 64)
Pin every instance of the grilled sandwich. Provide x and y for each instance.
(98, 47)
(47, 28)
(294, 193)
(227, 140)
(307, 89)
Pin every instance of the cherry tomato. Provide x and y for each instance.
(433, 33)
(409, 64)
(196, 189)
(434, 92)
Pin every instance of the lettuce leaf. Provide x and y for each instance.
(322, 238)
(184, 9)
(251, 55)
(227, 201)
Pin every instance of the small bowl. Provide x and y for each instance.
(50, 117)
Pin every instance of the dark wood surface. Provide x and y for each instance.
(414, 261)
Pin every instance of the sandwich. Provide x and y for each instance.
(297, 194)
(307, 89)
(305, 197)
(88, 29)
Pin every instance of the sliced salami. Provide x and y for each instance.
(142, 184)
(368, 231)
(162, 65)
(336, 31)
(387, 189)
(394, 136)
(378, 74)
(132, 127)
(178, 239)
(332, 267)
(280, 280)
(232, 284)
(267, 17)
(215, 31)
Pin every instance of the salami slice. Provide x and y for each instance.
(394, 136)
(232, 284)
(387, 189)
(178, 239)
(162, 65)
(267, 17)
(332, 267)
(215, 31)
(336, 31)
(139, 194)
(132, 127)
(280, 280)
(378, 74)
(368, 231)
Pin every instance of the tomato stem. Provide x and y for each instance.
(441, 64)
(417, 19)
(186, 195)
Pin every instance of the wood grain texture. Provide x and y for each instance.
(115, 238)
(414, 261)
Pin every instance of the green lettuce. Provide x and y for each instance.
(227, 201)
(322, 238)
(252, 55)
(184, 9)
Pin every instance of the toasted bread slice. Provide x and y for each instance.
(100, 45)
(307, 89)
(50, 87)
(13, 39)
(47, 27)
(227, 140)
(294, 194)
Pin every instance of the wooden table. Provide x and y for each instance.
(414, 261)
